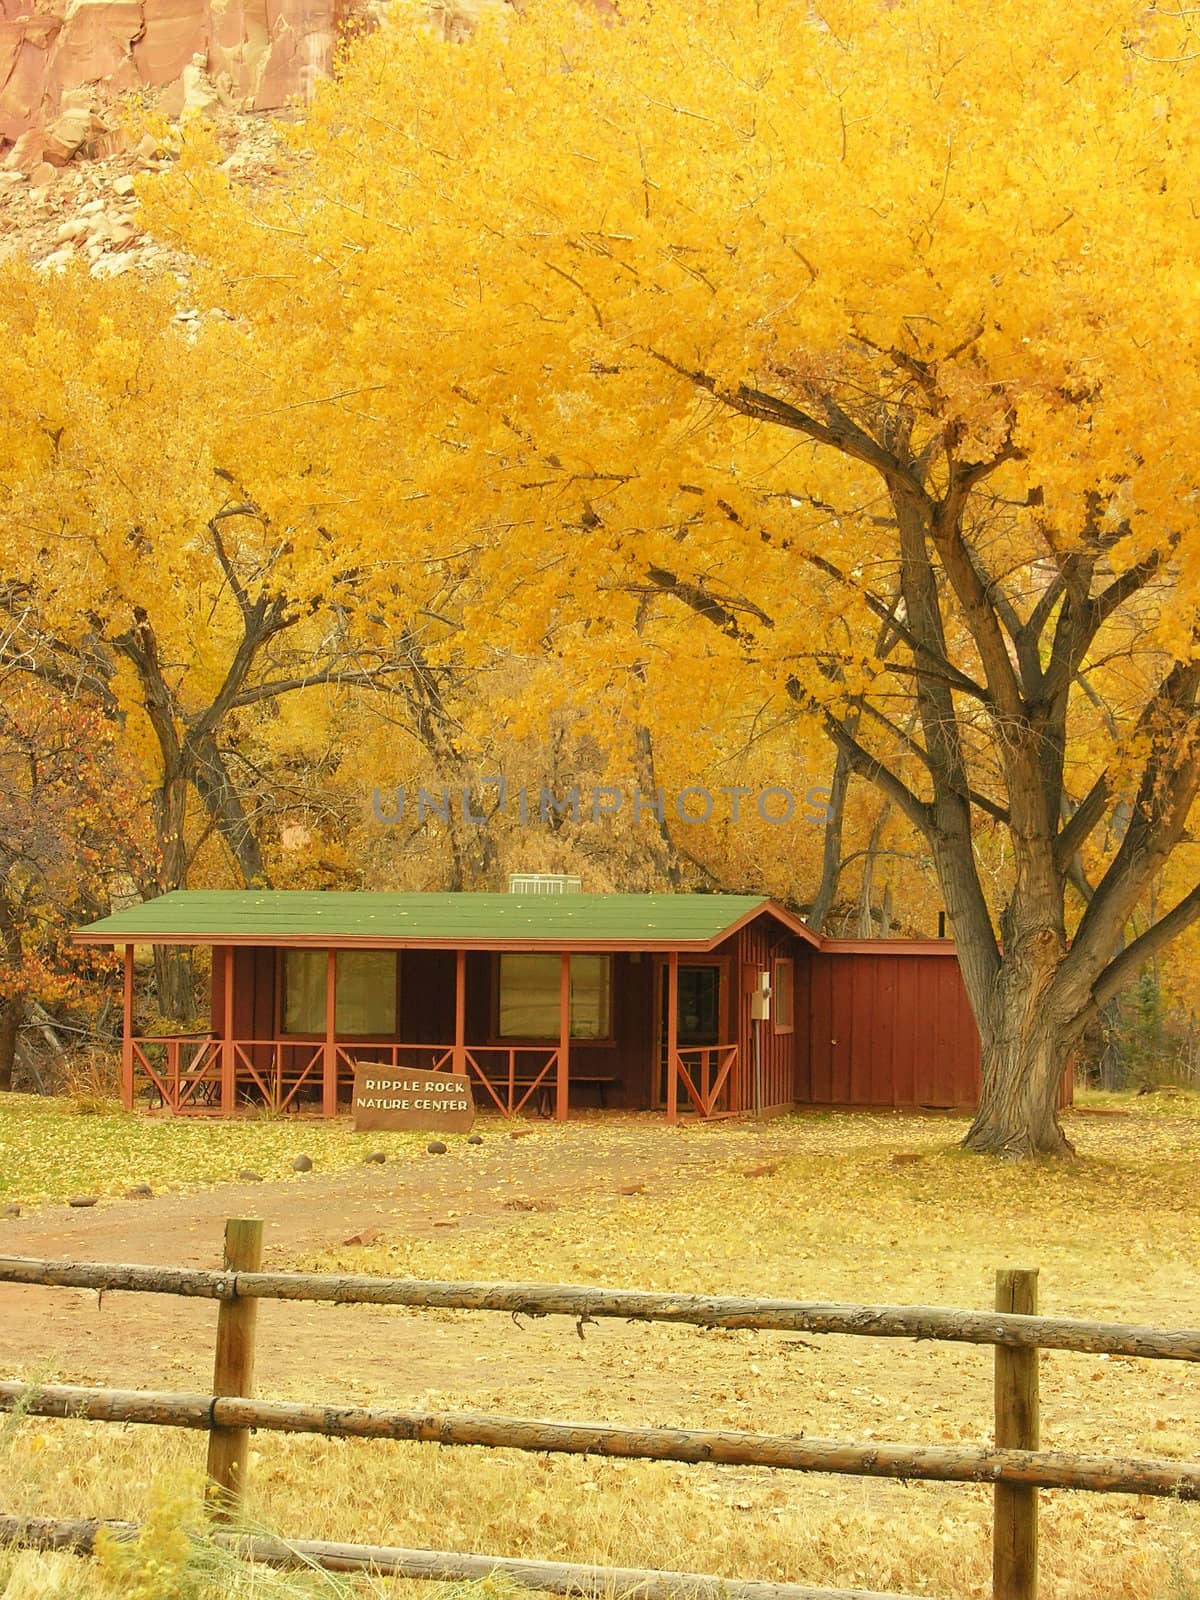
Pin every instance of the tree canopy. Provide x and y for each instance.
(829, 367)
(856, 342)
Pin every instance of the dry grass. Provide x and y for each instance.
(1116, 1234)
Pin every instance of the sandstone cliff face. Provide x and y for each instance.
(254, 55)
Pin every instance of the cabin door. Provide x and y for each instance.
(701, 1013)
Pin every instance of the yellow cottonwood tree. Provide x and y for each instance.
(172, 551)
(860, 337)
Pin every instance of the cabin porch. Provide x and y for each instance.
(537, 1032)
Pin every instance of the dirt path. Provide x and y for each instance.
(145, 1341)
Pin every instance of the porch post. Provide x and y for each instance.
(460, 1011)
(228, 1065)
(127, 1034)
(329, 1064)
(672, 1035)
(564, 1037)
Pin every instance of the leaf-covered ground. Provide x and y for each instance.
(53, 1149)
(851, 1207)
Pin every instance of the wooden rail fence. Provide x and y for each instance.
(1015, 1466)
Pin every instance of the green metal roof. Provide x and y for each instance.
(207, 916)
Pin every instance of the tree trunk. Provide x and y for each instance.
(1113, 1070)
(474, 861)
(10, 1022)
(475, 850)
(866, 914)
(1024, 1058)
(174, 969)
(220, 799)
(661, 848)
(886, 913)
(1098, 1060)
(831, 847)
(175, 982)
(11, 1010)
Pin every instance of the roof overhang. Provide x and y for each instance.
(381, 942)
(137, 924)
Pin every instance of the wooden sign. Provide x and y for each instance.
(395, 1098)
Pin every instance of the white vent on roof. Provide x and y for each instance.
(544, 883)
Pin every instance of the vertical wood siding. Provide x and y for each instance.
(753, 949)
(871, 1028)
(253, 995)
(887, 1029)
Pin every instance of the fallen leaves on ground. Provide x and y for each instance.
(50, 1151)
(813, 1207)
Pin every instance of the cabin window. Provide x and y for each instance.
(698, 1017)
(366, 992)
(782, 995)
(528, 1000)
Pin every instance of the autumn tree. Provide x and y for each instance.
(178, 550)
(861, 337)
(69, 827)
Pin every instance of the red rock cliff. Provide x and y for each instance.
(258, 54)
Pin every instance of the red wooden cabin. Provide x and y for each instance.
(548, 1001)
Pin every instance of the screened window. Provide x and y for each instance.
(366, 992)
(529, 997)
(782, 995)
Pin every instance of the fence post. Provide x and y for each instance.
(1015, 1529)
(233, 1370)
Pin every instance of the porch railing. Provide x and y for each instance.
(281, 1076)
(513, 1075)
(510, 1075)
(704, 1071)
(413, 1057)
(186, 1072)
(183, 1069)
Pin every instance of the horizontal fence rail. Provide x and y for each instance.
(631, 1305)
(1043, 1469)
(443, 1566)
(1016, 1468)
